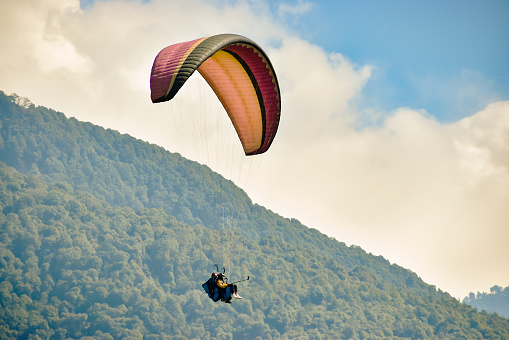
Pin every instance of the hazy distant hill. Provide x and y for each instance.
(106, 236)
(496, 301)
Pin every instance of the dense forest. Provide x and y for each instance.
(105, 236)
(496, 301)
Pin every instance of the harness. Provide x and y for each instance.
(216, 293)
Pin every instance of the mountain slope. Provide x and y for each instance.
(107, 236)
(75, 266)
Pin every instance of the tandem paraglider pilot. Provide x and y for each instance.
(226, 288)
(218, 288)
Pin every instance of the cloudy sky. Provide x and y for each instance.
(394, 132)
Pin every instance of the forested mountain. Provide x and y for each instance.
(106, 236)
(496, 301)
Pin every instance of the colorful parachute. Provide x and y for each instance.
(240, 74)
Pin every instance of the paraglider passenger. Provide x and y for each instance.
(222, 283)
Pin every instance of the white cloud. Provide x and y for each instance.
(428, 196)
(32, 33)
(301, 7)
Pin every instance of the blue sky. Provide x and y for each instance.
(434, 55)
(394, 124)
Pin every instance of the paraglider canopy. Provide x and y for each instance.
(239, 72)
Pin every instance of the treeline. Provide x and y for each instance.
(120, 250)
(496, 301)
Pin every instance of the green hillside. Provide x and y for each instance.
(105, 236)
